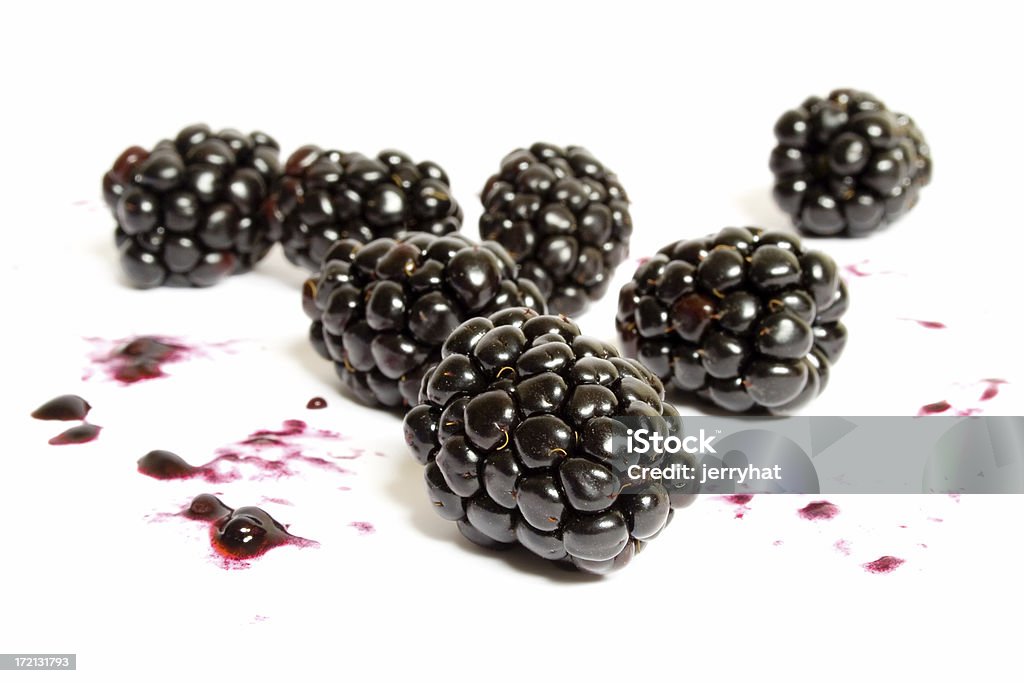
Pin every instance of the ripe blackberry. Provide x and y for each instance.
(188, 211)
(846, 164)
(515, 430)
(745, 318)
(382, 310)
(326, 196)
(563, 217)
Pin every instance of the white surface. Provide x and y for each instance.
(681, 106)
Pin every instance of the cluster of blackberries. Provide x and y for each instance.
(518, 417)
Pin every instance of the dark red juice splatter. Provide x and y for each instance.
(934, 408)
(166, 465)
(928, 324)
(883, 565)
(288, 428)
(856, 270)
(82, 433)
(842, 546)
(818, 510)
(316, 403)
(66, 407)
(363, 527)
(241, 534)
(225, 467)
(139, 358)
(991, 389)
(740, 500)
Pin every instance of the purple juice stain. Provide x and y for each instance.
(240, 534)
(818, 510)
(363, 528)
(136, 359)
(289, 428)
(883, 565)
(842, 546)
(855, 269)
(65, 407)
(991, 389)
(934, 408)
(927, 324)
(165, 465)
(316, 403)
(83, 433)
(740, 500)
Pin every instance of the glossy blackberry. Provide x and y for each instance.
(189, 211)
(514, 430)
(564, 218)
(326, 196)
(382, 310)
(847, 165)
(745, 318)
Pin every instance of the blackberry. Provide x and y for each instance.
(189, 211)
(382, 310)
(745, 318)
(326, 196)
(847, 165)
(515, 430)
(564, 218)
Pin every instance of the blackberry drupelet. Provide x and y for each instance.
(189, 210)
(326, 196)
(847, 165)
(515, 432)
(745, 318)
(382, 310)
(564, 218)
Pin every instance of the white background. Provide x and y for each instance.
(681, 105)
